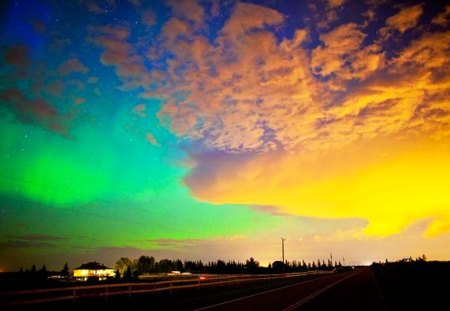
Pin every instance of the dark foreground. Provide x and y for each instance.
(416, 285)
(397, 286)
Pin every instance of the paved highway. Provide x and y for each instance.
(356, 290)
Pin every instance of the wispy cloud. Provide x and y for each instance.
(31, 241)
(72, 65)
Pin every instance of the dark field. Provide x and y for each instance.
(392, 286)
(415, 285)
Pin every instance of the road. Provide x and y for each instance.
(356, 290)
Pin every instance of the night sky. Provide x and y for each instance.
(210, 129)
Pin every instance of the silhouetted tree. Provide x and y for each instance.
(165, 265)
(43, 273)
(252, 265)
(65, 271)
(178, 265)
(145, 264)
(220, 266)
(128, 274)
(278, 266)
(122, 265)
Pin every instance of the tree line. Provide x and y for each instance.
(127, 268)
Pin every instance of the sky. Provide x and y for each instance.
(207, 130)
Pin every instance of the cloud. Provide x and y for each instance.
(35, 111)
(390, 186)
(80, 100)
(233, 74)
(149, 18)
(151, 139)
(140, 110)
(28, 84)
(31, 241)
(17, 56)
(119, 53)
(55, 88)
(93, 7)
(327, 129)
(407, 18)
(41, 237)
(215, 8)
(380, 145)
(247, 16)
(342, 55)
(190, 11)
(443, 19)
(335, 3)
(175, 243)
(71, 66)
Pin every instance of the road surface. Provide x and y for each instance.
(356, 290)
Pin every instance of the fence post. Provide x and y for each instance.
(129, 291)
(106, 294)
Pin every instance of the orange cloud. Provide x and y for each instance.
(341, 54)
(249, 16)
(443, 19)
(335, 3)
(237, 75)
(347, 128)
(378, 152)
(187, 10)
(406, 18)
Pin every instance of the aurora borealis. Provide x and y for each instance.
(210, 129)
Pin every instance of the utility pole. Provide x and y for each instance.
(282, 248)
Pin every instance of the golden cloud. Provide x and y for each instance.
(378, 151)
(346, 128)
(391, 182)
(406, 18)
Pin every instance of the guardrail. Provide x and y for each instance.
(37, 296)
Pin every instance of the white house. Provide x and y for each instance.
(93, 270)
